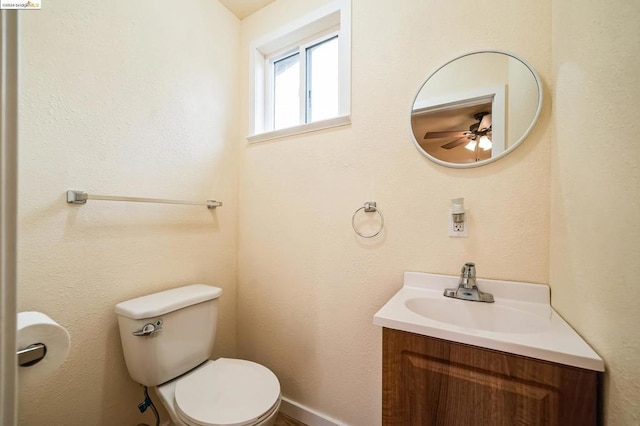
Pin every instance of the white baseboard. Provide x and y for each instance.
(306, 415)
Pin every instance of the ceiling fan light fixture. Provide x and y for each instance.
(471, 146)
(485, 143)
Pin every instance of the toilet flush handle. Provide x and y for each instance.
(149, 329)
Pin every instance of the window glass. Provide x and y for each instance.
(286, 92)
(322, 81)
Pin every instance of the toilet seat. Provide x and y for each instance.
(226, 392)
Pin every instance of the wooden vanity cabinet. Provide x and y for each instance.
(428, 381)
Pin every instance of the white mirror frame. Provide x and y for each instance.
(512, 146)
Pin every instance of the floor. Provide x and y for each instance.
(284, 420)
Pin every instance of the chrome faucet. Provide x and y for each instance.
(467, 287)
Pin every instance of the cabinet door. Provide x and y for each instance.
(428, 381)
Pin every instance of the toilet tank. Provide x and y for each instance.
(184, 320)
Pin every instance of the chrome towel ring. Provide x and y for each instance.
(369, 207)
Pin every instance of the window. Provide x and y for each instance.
(302, 76)
(322, 80)
(304, 84)
(286, 92)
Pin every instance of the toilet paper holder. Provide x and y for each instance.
(31, 355)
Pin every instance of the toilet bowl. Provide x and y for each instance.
(167, 338)
(225, 392)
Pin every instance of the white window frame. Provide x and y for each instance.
(301, 49)
(322, 24)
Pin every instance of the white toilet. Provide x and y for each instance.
(167, 339)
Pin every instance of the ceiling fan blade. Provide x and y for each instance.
(451, 134)
(485, 123)
(455, 143)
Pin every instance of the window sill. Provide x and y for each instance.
(303, 128)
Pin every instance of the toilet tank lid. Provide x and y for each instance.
(163, 302)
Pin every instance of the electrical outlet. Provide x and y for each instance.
(460, 229)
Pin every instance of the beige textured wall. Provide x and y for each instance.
(308, 287)
(123, 98)
(595, 187)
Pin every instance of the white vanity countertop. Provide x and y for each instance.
(520, 322)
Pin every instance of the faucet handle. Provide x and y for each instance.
(468, 275)
(469, 270)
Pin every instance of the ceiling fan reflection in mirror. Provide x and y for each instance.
(478, 135)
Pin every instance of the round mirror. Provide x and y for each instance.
(476, 109)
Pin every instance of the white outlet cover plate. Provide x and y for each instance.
(465, 226)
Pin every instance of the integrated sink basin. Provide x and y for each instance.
(521, 321)
(480, 316)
